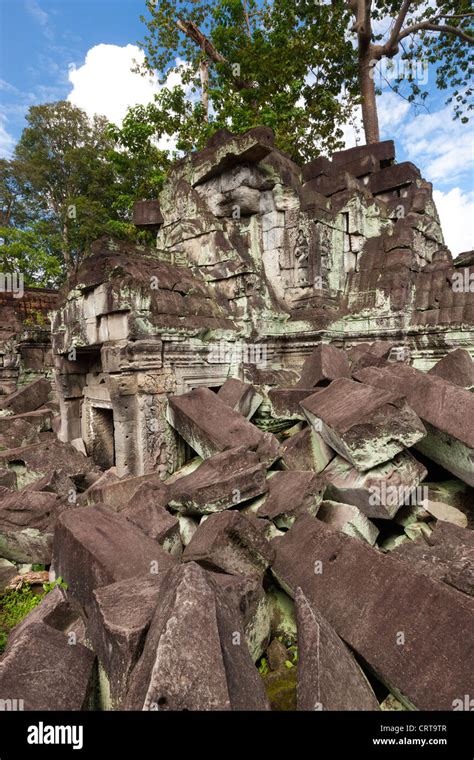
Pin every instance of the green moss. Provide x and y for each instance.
(3, 641)
(281, 688)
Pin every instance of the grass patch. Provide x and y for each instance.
(15, 605)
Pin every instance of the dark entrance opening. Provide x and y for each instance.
(103, 442)
(185, 452)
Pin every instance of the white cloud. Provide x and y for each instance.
(456, 211)
(7, 142)
(392, 110)
(105, 83)
(40, 15)
(441, 147)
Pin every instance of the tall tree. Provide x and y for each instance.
(298, 66)
(437, 33)
(34, 251)
(246, 62)
(63, 166)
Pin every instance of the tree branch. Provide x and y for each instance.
(194, 33)
(247, 19)
(452, 15)
(362, 25)
(441, 28)
(391, 46)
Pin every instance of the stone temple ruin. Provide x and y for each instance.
(255, 429)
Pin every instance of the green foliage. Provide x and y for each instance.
(16, 604)
(293, 652)
(66, 186)
(263, 667)
(282, 64)
(52, 584)
(291, 65)
(35, 319)
(35, 251)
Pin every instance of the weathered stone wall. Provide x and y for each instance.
(25, 341)
(257, 260)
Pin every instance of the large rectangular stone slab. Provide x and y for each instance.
(209, 425)
(241, 397)
(26, 526)
(220, 482)
(447, 554)
(94, 547)
(118, 622)
(118, 495)
(349, 519)
(383, 152)
(393, 177)
(146, 511)
(306, 450)
(290, 494)
(147, 215)
(456, 367)
(17, 432)
(286, 402)
(329, 677)
(366, 426)
(41, 419)
(384, 612)
(189, 661)
(380, 491)
(41, 668)
(231, 543)
(27, 399)
(38, 459)
(446, 410)
(324, 364)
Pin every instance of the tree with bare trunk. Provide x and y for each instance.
(435, 34)
(299, 66)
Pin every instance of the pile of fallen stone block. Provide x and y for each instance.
(326, 564)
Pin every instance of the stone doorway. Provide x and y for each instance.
(103, 437)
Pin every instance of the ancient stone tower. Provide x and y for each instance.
(257, 260)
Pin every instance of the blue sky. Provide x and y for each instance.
(83, 50)
(40, 39)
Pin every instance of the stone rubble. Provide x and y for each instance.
(256, 478)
